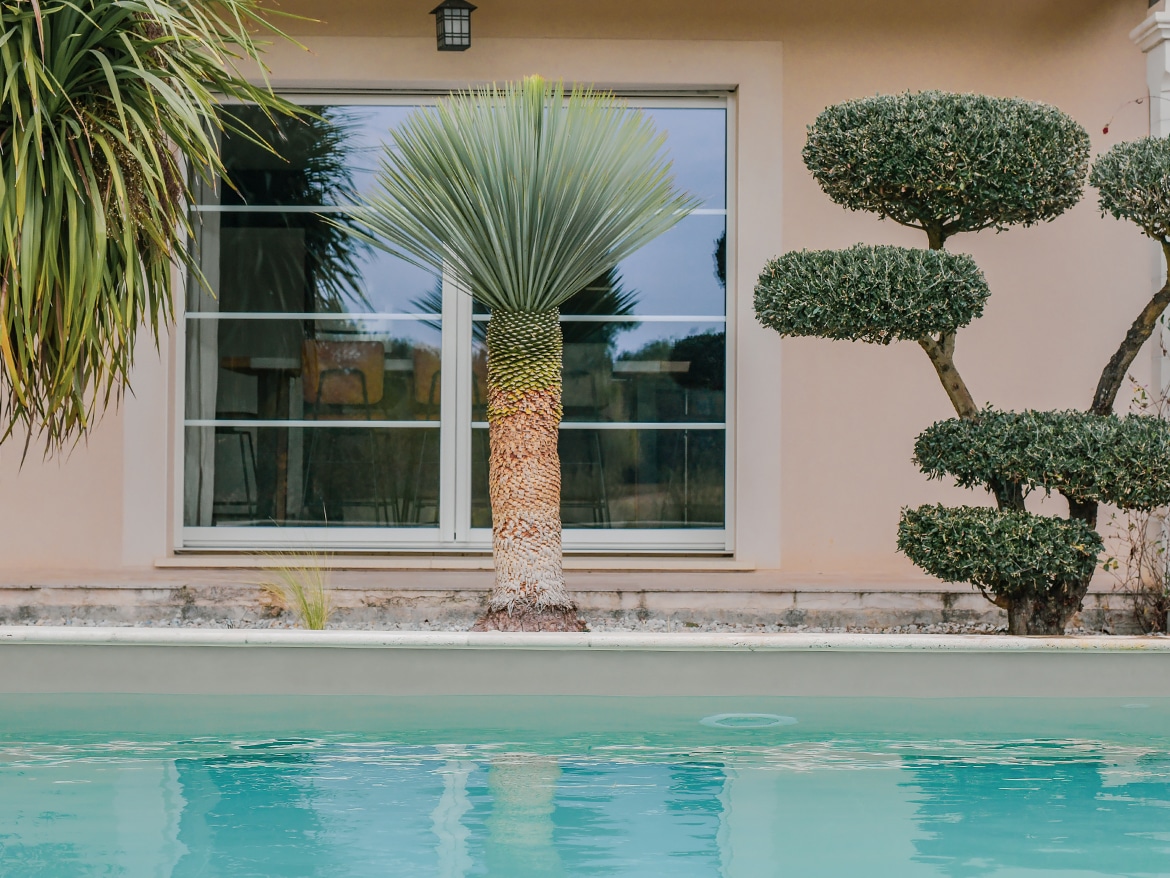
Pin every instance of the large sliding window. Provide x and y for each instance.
(335, 395)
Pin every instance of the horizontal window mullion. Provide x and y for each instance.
(273, 208)
(351, 208)
(628, 425)
(335, 316)
(334, 423)
(626, 318)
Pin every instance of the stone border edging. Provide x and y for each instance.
(610, 641)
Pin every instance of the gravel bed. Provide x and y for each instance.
(604, 624)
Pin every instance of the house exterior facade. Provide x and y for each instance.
(323, 396)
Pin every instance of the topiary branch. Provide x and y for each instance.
(1139, 333)
(941, 351)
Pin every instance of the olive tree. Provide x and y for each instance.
(947, 164)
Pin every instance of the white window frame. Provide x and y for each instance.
(454, 533)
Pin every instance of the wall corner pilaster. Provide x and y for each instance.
(1152, 36)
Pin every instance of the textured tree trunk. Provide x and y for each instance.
(1048, 615)
(1113, 375)
(524, 475)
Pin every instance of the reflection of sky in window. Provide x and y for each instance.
(393, 285)
(696, 144)
(369, 131)
(675, 274)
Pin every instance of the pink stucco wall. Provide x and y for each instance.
(824, 429)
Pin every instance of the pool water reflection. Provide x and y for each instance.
(925, 791)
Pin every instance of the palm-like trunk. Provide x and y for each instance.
(524, 413)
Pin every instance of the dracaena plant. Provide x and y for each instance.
(106, 108)
(524, 193)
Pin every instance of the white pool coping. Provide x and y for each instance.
(625, 640)
(219, 662)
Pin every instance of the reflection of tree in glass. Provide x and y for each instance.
(604, 297)
(720, 259)
(312, 169)
(705, 352)
(1044, 814)
(707, 355)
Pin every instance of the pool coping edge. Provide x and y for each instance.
(619, 641)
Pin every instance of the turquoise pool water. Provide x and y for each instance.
(743, 788)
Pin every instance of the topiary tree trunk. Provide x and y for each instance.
(925, 161)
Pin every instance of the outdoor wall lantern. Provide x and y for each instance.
(453, 25)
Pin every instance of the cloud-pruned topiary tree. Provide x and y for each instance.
(945, 164)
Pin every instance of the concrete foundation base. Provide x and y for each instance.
(454, 598)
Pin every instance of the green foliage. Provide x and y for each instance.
(873, 294)
(301, 587)
(523, 192)
(949, 162)
(1123, 461)
(1010, 554)
(99, 98)
(525, 354)
(1133, 183)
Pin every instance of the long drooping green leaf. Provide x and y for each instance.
(524, 192)
(101, 104)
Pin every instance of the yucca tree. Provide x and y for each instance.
(102, 103)
(524, 193)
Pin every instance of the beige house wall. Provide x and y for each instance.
(822, 431)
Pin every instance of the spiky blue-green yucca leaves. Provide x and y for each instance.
(99, 99)
(1009, 554)
(524, 192)
(1106, 459)
(873, 294)
(1133, 183)
(949, 163)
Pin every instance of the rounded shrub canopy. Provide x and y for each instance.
(870, 293)
(1133, 183)
(1011, 554)
(1107, 459)
(949, 162)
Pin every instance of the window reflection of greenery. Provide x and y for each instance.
(668, 473)
(311, 170)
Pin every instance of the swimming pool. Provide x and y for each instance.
(579, 786)
(346, 754)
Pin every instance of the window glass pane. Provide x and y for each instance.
(627, 478)
(302, 262)
(679, 272)
(697, 143)
(614, 371)
(319, 161)
(293, 369)
(361, 395)
(317, 475)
